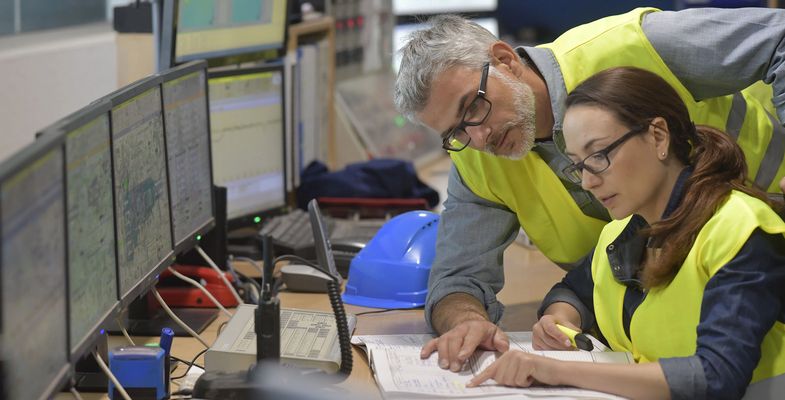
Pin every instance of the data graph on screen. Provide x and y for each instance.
(246, 118)
(90, 222)
(215, 28)
(33, 275)
(188, 153)
(144, 237)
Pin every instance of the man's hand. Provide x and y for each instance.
(782, 185)
(459, 343)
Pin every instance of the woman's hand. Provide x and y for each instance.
(519, 369)
(547, 336)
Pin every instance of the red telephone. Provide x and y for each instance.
(177, 293)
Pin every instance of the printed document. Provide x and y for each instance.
(400, 373)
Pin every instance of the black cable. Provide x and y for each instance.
(180, 360)
(182, 394)
(344, 337)
(230, 267)
(190, 364)
(277, 284)
(243, 277)
(385, 310)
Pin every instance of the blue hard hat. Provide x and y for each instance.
(392, 270)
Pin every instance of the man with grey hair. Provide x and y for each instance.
(499, 112)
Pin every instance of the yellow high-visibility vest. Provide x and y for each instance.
(665, 323)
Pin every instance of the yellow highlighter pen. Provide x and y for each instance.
(578, 339)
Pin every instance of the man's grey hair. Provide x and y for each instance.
(450, 41)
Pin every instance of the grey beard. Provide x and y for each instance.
(523, 101)
(524, 147)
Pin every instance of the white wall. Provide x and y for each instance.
(46, 76)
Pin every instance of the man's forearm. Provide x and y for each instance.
(454, 309)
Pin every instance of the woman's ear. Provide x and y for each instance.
(662, 137)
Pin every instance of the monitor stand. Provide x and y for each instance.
(242, 242)
(145, 320)
(88, 376)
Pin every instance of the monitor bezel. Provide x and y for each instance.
(168, 43)
(63, 127)
(190, 240)
(14, 164)
(150, 279)
(248, 219)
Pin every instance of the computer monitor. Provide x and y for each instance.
(247, 128)
(144, 233)
(92, 261)
(221, 31)
(34, 340)
(187, 126)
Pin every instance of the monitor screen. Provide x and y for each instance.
(247, 128)
(214, 29)
(33, 274)
(92, 264)
(188, 150)
(144, 235)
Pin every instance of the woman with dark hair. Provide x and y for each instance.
(688, 277)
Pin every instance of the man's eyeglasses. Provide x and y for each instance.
(475, 114)
(598, 161)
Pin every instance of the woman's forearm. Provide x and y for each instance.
(635, 381)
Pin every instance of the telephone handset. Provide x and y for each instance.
(325, 259)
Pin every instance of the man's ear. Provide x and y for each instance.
(661, 134)
(504, 57)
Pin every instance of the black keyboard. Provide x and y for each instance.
(292, 230)
(292, 234)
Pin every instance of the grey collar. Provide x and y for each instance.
(545, 62)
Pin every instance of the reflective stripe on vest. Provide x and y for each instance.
(775, 151)
(738, 110)
(664, 324)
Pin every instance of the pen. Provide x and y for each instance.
(578, 339)
(167, 334)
